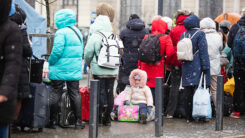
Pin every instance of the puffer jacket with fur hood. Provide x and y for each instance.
(142, 93)
(215, 44)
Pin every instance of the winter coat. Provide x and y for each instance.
(65, 61)
(157, 69)
(10, 63)
(131, 37)
(215, 44)
(238, 64)
(176, 33)
(227, 51)
(92, 49)
(191, 70)
(139, 94)
(23, 87)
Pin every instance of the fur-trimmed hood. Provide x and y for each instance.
(143, 77)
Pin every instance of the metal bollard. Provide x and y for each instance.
(219, 103)
(93, 109)
(158, 106)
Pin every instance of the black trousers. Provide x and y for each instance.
(174, 91)
(239, 93)
(75, 98)
(106, 87)
(188, 94)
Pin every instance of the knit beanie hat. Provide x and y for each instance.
(225, 23)
(133, 16)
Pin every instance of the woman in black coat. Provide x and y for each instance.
(131, 37)
(10, 64)
(24, 84)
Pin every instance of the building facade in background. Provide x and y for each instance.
(146, 9)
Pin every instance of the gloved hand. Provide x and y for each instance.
(127, 102)
(149, 109)
(205, 72)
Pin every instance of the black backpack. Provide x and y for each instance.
(149, 50)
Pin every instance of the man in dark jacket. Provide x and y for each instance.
(10, 66)
(131, 37)
(239, 69)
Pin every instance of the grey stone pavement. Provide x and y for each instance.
(173, 128)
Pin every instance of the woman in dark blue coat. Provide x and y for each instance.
(131, 37)
(192, 70)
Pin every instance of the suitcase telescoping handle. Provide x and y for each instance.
(89, 73)
(45, 55)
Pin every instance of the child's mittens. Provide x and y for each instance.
(127, 102)
(149, 109)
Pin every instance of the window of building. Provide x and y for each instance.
(70, 2)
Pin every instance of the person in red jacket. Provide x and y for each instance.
(175, 35)
(157, 69)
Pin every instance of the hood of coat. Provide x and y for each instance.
(143, 77)
(180, 19)
(102, 23)
(208, 25)
(242, 21)
(4, 10)
(19, 17)
(64, 18)
(192, 22)
(159, 26)
(135, 24)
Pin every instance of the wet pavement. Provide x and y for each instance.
(173, 128)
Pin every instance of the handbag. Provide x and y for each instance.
(36, 70)
(202, 101)
(128, 113)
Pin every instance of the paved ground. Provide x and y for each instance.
(173, 128)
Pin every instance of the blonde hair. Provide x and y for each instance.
(105, 9)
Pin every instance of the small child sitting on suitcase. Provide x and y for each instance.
(140, 94)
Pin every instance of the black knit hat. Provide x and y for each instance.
(133, 16)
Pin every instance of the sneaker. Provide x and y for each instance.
(79, 124)
(169, 116)
(143, 119)
(235, 115)
(113, 115)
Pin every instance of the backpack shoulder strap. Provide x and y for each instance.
(75, 33)
(195, 34)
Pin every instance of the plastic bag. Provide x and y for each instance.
(46, 72)
(202, 101)
(230, 86)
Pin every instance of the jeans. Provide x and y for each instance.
(153, 94)
(4, 131)
(106, 87)
(188, 94)
(239, 93)
(142, 109)
(174, 91)
(75, 97)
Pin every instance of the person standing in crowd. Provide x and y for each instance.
(65, 64)
(239, 63)
(19, 17)
(215, 46)
(169, 21)
(192, 70)
(131, 37)
(166, 50)
(10, 67)
(175, 35)
(106, 76)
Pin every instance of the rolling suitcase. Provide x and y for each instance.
(85, 102)
(35, 110)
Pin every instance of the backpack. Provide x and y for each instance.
(239, 43)
(185, 48)
(149, 50)
(109, 56)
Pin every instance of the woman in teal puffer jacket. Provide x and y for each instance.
(65, 64)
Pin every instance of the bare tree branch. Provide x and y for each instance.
(40, 3)
(52, 1)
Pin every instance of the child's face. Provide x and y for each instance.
(137, 82)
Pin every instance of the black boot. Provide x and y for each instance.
(52, 124)
(107, 121)
(79, 124)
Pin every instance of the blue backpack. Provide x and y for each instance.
(239, 43)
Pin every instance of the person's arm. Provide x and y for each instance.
(203, 51)
(232, 34)
(58, 48)
(27, 50)
(89, 52)
(13, 60)
(149, 98)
